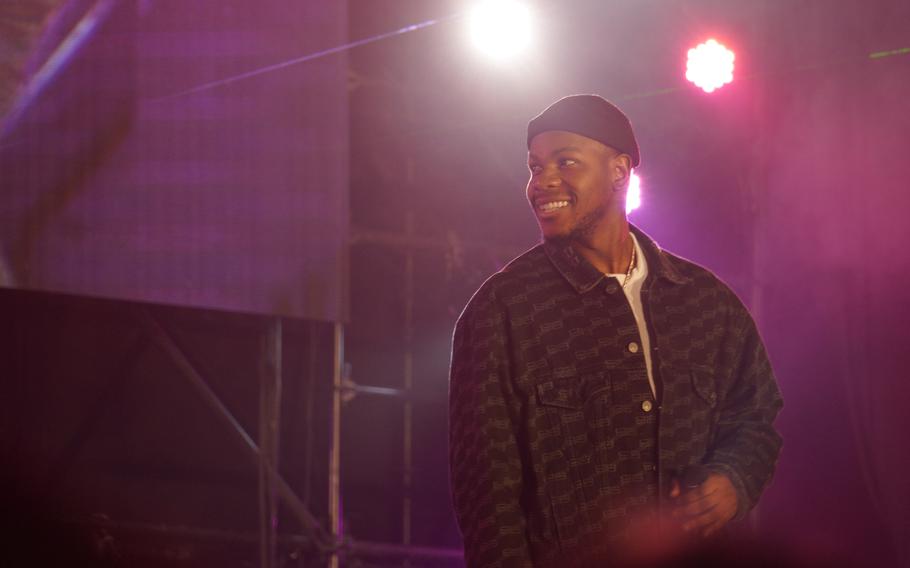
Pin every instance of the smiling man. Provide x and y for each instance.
(605, 395)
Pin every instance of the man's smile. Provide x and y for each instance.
(545, 207)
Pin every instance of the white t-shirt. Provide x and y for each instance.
(632, 290)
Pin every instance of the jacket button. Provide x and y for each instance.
(647, 406)
(633, 347)
(611, 287)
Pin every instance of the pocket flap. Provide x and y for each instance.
(563, 394)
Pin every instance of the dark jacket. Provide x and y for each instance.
(557, 444)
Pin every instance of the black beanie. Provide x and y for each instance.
(591, 116)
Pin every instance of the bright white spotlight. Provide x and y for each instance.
(710, 65)
(501, 28)
(633, 195)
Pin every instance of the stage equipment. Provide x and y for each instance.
(501, 28)
(710, 66)
(232, 199)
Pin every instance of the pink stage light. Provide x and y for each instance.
(710, 65)
(633, 195)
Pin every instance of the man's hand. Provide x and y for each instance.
(705, 509)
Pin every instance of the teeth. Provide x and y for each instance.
(552, 206)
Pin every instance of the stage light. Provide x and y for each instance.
(500, 28)
(633, 195)
(710, 65)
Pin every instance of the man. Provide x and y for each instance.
(602, 390)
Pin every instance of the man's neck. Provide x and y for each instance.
(609, 249)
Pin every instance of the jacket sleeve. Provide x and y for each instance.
(484, 459)
(746, 445)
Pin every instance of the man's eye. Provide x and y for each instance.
(535, 169)
(564, 162)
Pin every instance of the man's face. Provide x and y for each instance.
(571, 184)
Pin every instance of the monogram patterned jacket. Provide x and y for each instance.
(557, 444)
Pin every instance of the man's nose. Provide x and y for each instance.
(549, 179)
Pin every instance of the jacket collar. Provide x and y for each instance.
(583, 277)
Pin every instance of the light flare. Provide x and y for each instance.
(633, 194)
(501, 28)
(710, 65)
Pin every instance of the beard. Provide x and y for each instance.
(583, 229)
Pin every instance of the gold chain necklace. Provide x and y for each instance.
(631, 264)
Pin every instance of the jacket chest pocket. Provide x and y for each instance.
(704, 386)
(572, 419)
(571, 408)
(690, 407)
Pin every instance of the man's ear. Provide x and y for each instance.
(621, 171)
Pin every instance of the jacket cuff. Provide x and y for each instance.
(743, 502)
